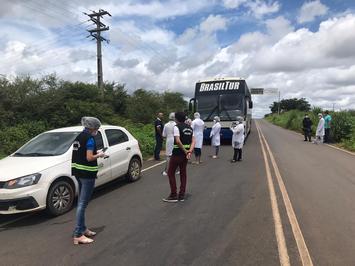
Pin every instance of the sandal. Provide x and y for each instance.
(82, 240)
(89, 233)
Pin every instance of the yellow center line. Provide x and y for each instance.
(301, 244)
(279, 232)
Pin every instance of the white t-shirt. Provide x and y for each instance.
(176, 132)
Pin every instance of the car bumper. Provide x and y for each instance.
(21, 200)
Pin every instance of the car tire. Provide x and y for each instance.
(60, 198)
(134, 170)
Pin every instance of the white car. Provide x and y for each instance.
(38, 175)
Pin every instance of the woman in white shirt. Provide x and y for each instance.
(198, 126)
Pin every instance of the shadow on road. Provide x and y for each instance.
(35, 218)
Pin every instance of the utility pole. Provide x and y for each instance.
(96, 34)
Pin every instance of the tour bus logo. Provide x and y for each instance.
(219, 86)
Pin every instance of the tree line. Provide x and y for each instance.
(29, 106)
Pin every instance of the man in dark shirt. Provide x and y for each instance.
(184, 144)
(307, 128)
(158, 125)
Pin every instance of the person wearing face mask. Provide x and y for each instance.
(215, 135)
(237, 139)
(85, 168)
(198, 126)
(168, 133)
(307, 128)
(320, 130)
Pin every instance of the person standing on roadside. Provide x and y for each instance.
(184, 143)
(320, 130)
(84, 168)
(238, 139)
(198, 126)
(168, 133)
(215, 135)
(158, 126)
(307, 128)
(327, 125)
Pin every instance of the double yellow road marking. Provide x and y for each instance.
(280, 236)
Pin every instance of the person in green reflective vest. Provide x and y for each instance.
(84, 168)
(184, 144)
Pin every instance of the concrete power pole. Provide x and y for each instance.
(96, 34)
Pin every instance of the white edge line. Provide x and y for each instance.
(297, 233)
(16, 220)
(279, 232)
(155, 165)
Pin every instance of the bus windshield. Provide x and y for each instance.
(226, 106)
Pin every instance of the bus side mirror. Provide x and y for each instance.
(192, 105)
(250, 104)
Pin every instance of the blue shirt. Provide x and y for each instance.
(90, 144)
(327, 120)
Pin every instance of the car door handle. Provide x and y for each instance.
(128, 148)
(106, 157)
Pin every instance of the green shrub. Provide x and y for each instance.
(12, 138)
(349, 144)
(342, 126)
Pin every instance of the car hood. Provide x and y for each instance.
(13, 167)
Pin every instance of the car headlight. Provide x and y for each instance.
(23, 181)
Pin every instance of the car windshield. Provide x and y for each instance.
(227, 106)
(48, 144)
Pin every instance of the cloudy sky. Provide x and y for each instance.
(303, 48)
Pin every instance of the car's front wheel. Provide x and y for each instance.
(134, 170)
(60, 198)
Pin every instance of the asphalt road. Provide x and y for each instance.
(227, 219)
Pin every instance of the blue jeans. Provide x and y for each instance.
(86, 188)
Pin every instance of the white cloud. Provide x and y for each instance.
(261, 8)
(126, 63)
(148, 53)
(310, 10)
(332, 45)
(213, 24)
(154, 9)
(233, 3)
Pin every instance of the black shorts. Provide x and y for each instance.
(197, 151)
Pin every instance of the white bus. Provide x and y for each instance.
(223, 97)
